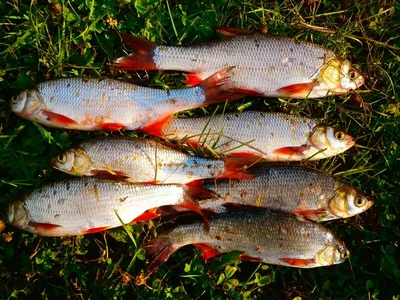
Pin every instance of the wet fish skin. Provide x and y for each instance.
(263, 235)
(271, 136)
(143, 160)
(88, 205)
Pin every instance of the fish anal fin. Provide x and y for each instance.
(250, 258)
(58, 119)
(298, 90)
(147, 215)
(156, 128)
(298, 262)
(111, 126)
(310, 214)
(193, 79)
(206, 251)
(231, 31)
(96, 229)
(246, 92)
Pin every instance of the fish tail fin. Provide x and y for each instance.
(141, 59)
(236, 167)
(216, 88)
(160, 249)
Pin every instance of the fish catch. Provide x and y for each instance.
(144, 160)
(266, 65)
(88, 205)
(264, 236)
(106, 104)
(308, 193)
(267, 135)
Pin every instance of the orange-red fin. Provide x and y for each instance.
(160, 249)
(192, 79)
(216, 88)
(142, 57)
(147, 215)
(298, 262)
(96, 229)
(291, 150)
(196, 190)
(156, 128)
(249, 258)
(235, 167)
(192, 143)
(111, 126)
(245, 154)
(206, 251)
(313, 215)
(299, 90)
(109, 174)
(58, 119)
(43, 226)
(193, 205)
(231, 31)
(246, 92)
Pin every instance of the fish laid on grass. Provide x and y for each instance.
(88, 205)
(266, 65)
(106, 104)
(264, 236)
(144, 160)
(312, 194)
(271, 136)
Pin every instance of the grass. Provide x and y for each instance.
(41, 40)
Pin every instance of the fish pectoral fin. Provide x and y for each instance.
(206, 251)
(231, 31)
(298, 90)
(236, 167)
(109, 174)
(311, 214)
(298, 262)
(193, 79)
(147, 215)
(43, 227)
(111, 126)
(291, 150)
(156, 128)
(58, 119)
(250, 258)
(95, 229)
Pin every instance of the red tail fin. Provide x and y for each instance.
(160, 248)
(236, 166)
(216, 88)
(141, 59)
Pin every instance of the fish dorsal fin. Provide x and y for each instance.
(231, 31)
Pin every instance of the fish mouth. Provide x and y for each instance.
(351, 142)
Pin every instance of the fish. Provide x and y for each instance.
(267, 236)
(88, 205)
(144, 160)
(111, 105)
(265, 65)
(308, 193)
(268, 135)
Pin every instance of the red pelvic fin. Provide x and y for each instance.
(235, 167)
(216, 88)
(141, 59)
(160, 248)
(156, 128)
(147, 215)
(230, 31)
(192, 204)
(43, 226)
(108, 174)
(298, 262)
(246, 154)
(58, 119)
(192, 79)
(96, 229)
(206, 251)
(313, 215)
(299, 90)
(245, 92)
(249, 258)
(291, 150)
(111, 126)
(196, 190)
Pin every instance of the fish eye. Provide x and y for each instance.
(339, 135)
(14, 100)
(62, 158)
(344, 254)
(353, 74)
(359, 201)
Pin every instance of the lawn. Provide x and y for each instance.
(41, 40)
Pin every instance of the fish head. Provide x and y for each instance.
(17, 214)
(27, 102)
(73, 161)
(339, 76)
(349, 201)
(334, 253)
(332, 141)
